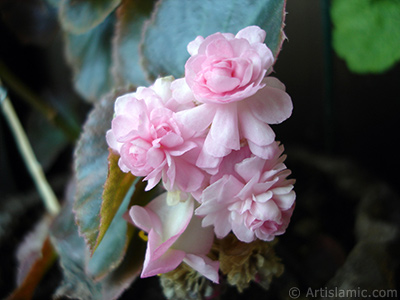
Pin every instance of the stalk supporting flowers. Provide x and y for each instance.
(34, 168)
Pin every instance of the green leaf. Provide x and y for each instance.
(116, 236)
(115, 190)
(175, 23)
(89, 54)
(126, 60)
(80, 16)
(366, 34)
(91, 169)
(73, 254)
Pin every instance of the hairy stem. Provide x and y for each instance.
(34, 168)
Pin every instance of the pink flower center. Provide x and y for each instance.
(219, 77)
(162, 130)
(134, 155)
(138, 150)
(165, 133)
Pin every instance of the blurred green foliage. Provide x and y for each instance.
(366, 33)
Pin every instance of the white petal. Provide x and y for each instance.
(175, 218)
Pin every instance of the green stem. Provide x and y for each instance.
(70, 129)
(49, 198)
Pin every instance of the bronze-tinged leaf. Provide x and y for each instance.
(80, 16)
(91, 169)
(35, 255)
(114, 232)
(36, 272)
(116, 187)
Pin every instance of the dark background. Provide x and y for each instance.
(365, 108)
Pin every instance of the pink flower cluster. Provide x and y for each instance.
(207, 138)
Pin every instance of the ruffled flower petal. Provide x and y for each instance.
(253, 34)
(193, 46)
(254, 130)
(163, 264)
(251, 199)
(214, 149)
(152, 141)
(224, 128)
(174, 235)
(243, 233)
(197, 118)
(271, 105)
(224, 68)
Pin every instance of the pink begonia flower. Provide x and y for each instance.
(250, 196)
(224, 68)
(226, 74)
(150, 140)
(234, 122)
(175, 235)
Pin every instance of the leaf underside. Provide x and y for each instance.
(91, 169)
(78, 281)
(78, 17)
(193, 18)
